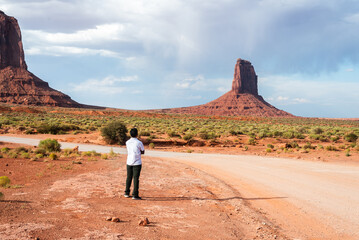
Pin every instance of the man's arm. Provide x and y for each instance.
(143, 152)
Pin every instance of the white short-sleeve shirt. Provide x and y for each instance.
(134, 148)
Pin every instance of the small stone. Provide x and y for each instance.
(115, 219)
(108, 218)
(144, 222)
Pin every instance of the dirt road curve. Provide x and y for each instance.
(308, 200)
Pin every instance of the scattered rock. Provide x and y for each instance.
(108, 218)
(144, 222)
(115, 219)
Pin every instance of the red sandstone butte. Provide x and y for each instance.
(242, 100)
(17, 84)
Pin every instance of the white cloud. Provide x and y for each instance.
(349, 70)
(192, 82)
(64, 50)
(298, 91)
(99, 35)
(108, 85)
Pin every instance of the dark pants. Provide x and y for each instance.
(133, 172)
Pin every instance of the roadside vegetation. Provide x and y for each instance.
(283, 134)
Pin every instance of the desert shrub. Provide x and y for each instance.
(268, 150)
(2, 196)
(320, 146)
(4, 181)
(12, 154)
(252, 141)
(173, 134)
(40, 151)
(20, 150)
(188, 137)
(53, 156)
(235, 132)
(50, 145)
(25, 155)
(245, 148)
(86, 154)
(151, 145)
(323, 138)
(293, 144)
(298, 135)
(5, 150)
(270, 146)
(351, 137)
(334, 138)
(317, 130)
(331, 148)
(104, 156)
(114, 132)
(314, 136)
(347, 153)
(145, 133)
(277, 133)
(56, 128)
(39, 155)
(30, 131)
(288, 135)
(352, 145)
(308, 145)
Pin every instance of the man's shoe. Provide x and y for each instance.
(126, 196)
(136, 198)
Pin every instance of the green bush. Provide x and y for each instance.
(4, 181)
(56, 128)
(293, 144)
(40, 151)
(151, 145)
(187, 137)
(2, 196)
(5, 150)
(270, 146)
(351, 137)
(25, 155)
(50, 145)
(114, 132)
(331, 148)
(318, 130)
(53, 156)
(21, 150)
(252, 141)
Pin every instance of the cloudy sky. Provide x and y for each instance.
(144, 54)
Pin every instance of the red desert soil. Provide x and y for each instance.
(61, 200)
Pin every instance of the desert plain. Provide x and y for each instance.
(226, 178)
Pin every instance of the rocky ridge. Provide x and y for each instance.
(17, 84)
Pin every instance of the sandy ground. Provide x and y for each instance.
(302, 199)
(64, 201)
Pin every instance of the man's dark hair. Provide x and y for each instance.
(134, 132)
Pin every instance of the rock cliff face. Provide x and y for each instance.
(242, 100)
(17, 84)
(245, 78)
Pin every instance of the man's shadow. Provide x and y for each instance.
(206, 199)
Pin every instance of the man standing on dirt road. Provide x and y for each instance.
(134, 164)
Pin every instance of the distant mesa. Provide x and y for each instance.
(242, 100)
(17, 84)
